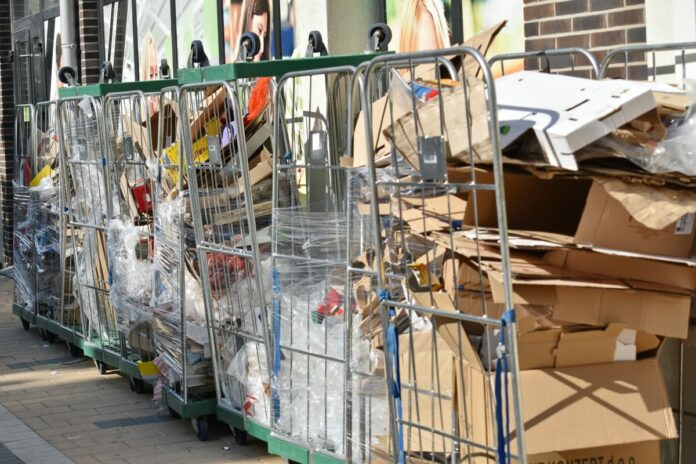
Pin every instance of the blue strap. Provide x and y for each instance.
(393, 348)
(275, 396)
(502, 400)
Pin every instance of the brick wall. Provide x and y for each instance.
(597, 25)
(90, 67)
(6, 130)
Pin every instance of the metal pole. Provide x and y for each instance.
(277, 29)
(67, 34)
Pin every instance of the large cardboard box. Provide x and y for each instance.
(598, 214)
(566, 113)
(608, 411)
(638, 305)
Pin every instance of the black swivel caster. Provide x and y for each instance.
(200, 426)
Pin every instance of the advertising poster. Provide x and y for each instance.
(427, 24)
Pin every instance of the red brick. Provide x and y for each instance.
(577, 40)
(556, 26)
(531, 29)
(571, 7)
(608, 38)
(636, 35)
(586, 23)
(598, 5)
(625, 17)
(539, 44)
(532, 12)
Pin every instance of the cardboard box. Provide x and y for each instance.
(608, 410)
(600, 214)
(605, 222)
(566, 113)
(650, 308)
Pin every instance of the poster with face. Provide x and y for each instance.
(427, 24)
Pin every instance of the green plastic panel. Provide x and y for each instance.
(100, 90)
(195, 407)
(288, 450)
(111, 359)
(129, 368)
(318, 458)
(272, 68)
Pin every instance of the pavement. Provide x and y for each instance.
(57, 409)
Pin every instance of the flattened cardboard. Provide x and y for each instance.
(607, 223)
(624, 267)
(595, 406)
(454, 104)
(635, 453)
(592, 347)
(603, 302)
(612, 409)
(566, 113)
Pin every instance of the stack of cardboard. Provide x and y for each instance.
(600, 264)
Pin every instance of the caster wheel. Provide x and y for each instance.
(42, 332)
(252, 42)
(173, 414)
(240, 436)
(200, 426)
(67, 75)
(50, 337)
(75, 350)
(316, 42)
(25, 324)
(137, 385)
(383, 34)
(101, 367)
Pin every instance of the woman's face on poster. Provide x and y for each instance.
(259, 26)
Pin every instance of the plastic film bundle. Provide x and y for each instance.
(327, 380)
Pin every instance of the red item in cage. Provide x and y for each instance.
(143, 196)
(224, 270)
(258, 99)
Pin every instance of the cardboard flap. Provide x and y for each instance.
(653, 207)
(593, 406)
(567, 113)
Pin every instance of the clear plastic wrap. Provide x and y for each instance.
(675, 153)
(174, 305)
(327, 375)
(24, 253)
(131, 286)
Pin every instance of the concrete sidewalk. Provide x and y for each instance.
(55, 409)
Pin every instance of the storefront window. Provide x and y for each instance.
(24, 8)
(154, 37)
(197, 20)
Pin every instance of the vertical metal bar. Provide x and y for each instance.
(457, 22)
(136, 49)
(277, 30)
(220, 33)
(175, 40)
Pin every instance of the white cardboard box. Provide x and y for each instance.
(566, 113)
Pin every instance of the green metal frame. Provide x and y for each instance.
(100, 90)
(272, 68)
(204, 405)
